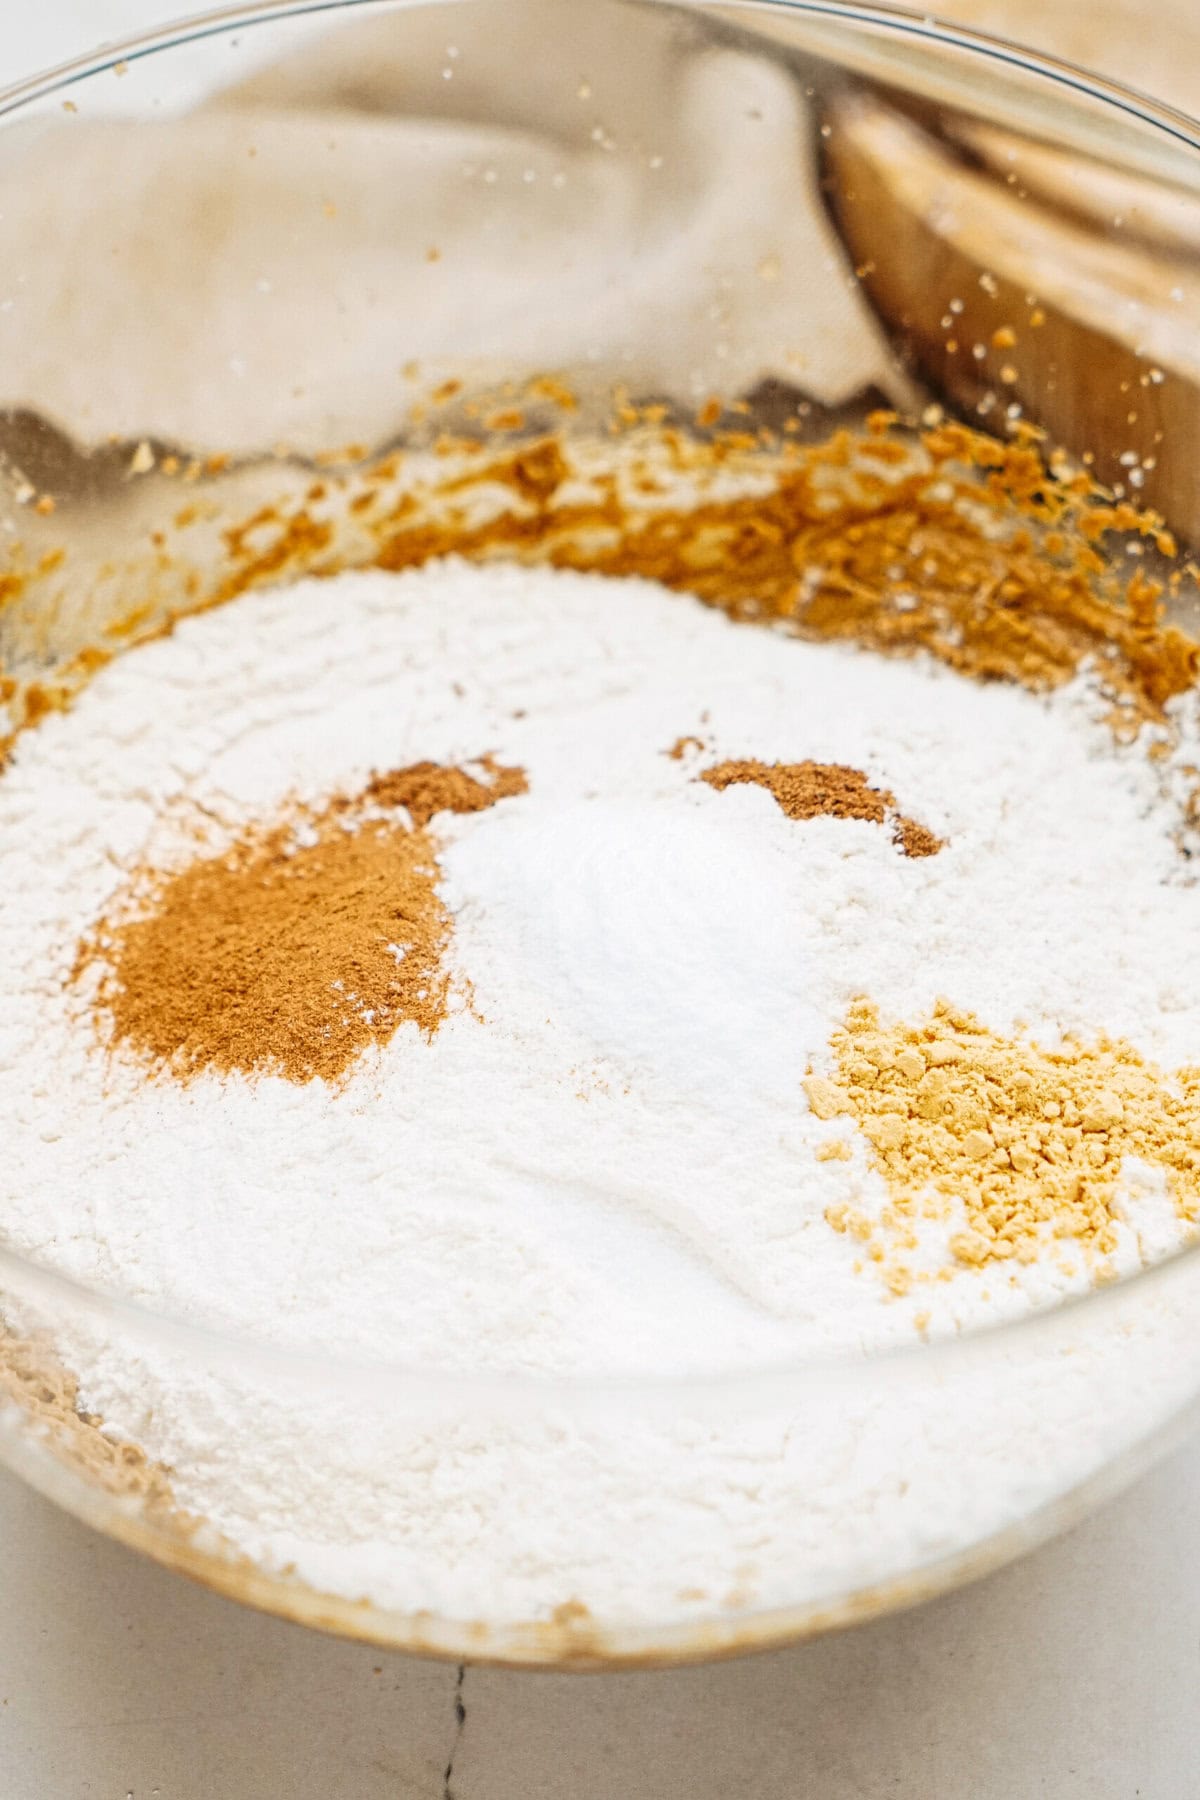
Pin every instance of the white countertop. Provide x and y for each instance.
(1073, 1676)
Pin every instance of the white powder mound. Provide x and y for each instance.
(603, 1161)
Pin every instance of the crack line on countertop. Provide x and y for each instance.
(460, 1719)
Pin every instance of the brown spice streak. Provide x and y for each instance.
(426, 788)
(682, 745)
(811, 790)
(293, 951)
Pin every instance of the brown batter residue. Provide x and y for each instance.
(950, 542)
(35, 1380)
(1028, 1143)
(811, 790)
(990, 556)
(304, 943)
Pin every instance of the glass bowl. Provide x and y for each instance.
(294, 288)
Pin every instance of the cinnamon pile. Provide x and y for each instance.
(426, 788)
(304, 943)
(810, 790)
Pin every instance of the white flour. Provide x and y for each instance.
(606, 1164)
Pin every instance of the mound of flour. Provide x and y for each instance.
(602, 1162)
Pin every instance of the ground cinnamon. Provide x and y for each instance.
(810, 790)
(426, 788)
(291, 952)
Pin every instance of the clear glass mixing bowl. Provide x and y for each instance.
(260, 265)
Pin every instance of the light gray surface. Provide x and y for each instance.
(1074, 1676)
(37, 36)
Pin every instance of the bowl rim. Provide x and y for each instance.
(880, 15)
(213, 1340)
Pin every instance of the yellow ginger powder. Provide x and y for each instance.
(1025, 1143)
